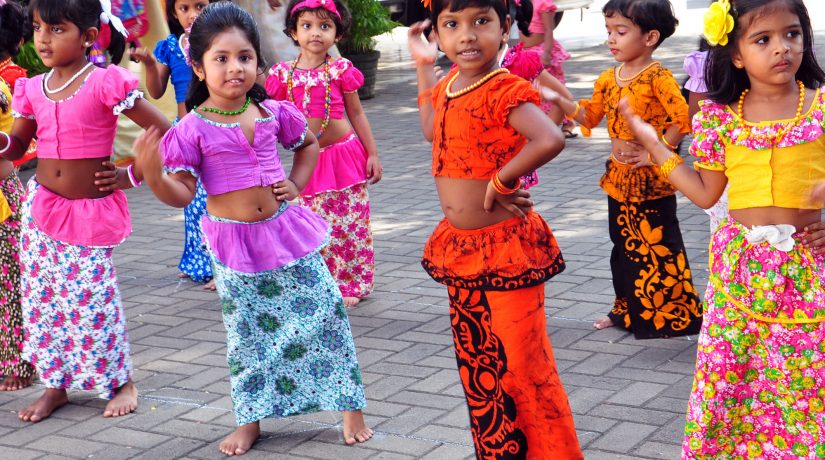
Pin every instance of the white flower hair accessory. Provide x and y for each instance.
(106, 17)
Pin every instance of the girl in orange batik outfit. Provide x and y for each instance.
(492, 251)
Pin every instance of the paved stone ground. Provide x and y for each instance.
(628, 396)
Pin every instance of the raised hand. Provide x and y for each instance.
(147, 154)
(423, 51)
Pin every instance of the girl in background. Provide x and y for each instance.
(757, 391)
(652, 280)
(170, 63)
(491, 250)
(325, 88)
(75, 330)
(289, 344)
(13, 29)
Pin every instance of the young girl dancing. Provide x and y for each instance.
(289, 344)
(654, 290)
(758, 386)
(325, 88)
(491, 250)
(17, 372)
(74, 324)
(169, 63)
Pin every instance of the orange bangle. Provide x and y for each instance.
(502, 189)
(425, 96)
(668, 144)
(576, 112)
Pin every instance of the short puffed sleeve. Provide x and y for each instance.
(293, 125)
(180, 151)
(695, 69)
(274, 85)
(20, 104)
(351, 77)
(510, 92)
(118, 89)
(162, 52)
(544, 6)
(669, 94)
(707, 145)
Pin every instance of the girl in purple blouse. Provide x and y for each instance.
(289, 344)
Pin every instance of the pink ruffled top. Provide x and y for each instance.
(223, 158)
(539, 7)
(308, 86)
(526, 63)
(83, 125)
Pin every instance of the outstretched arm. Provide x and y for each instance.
(703, 188)
(177, 189)
(157, 74)
(424, 53)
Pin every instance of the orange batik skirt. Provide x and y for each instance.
(495, 277)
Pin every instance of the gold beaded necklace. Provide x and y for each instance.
(479, 82)
(747, 130)
(625, 80)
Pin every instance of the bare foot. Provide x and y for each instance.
(13, 383)
(210, 286)
(182, 275)
(124, 403)
(51, 400)
(355, 429)
(350, 302)
(241, 440)
(603, 323)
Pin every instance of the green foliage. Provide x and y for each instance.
(369, 18)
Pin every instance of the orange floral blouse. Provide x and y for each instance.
(654, 95)
(471, 137)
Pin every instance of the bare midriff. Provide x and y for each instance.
(462, 201)
(6, 168)
(248, 205)
(72, 179)
(336, 129)
(772, 215)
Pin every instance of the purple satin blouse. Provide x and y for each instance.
(221, 156)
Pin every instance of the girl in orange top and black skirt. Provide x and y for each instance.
(492, 251)
(655, 297)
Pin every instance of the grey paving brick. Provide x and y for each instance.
(67, 446)
(623, 437)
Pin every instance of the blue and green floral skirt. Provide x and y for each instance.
(289, 344)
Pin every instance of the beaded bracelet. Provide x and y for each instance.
(132, 177)
(502, 189)
(8, 143)
(668, 166)
(425, 96)
(668, 144)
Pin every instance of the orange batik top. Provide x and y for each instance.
(473, 140)
(656, 97)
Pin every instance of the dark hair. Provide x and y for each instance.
(647, 14)
(725, 82)
(342, 24)
(175, 26)
(523, 14)
(498, 6)
(215, 19)
(84, 14)
(13, 27)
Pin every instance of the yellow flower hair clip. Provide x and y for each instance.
(718, 23)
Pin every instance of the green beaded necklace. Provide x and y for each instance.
(227, 112)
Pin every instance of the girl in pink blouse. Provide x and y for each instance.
(74, 323)
(325, 89)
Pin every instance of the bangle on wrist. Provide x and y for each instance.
(576, 112)
(670, 164)
(668, 144)
(425, 96)
(502, 189)
(8, 144)
(132, 179)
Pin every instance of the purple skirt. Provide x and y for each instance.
(252, 247)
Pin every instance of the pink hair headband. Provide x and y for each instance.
(328, 5)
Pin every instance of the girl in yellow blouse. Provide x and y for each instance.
(651, 277)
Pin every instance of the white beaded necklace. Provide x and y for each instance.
(65, 85)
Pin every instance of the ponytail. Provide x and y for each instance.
(523, 16)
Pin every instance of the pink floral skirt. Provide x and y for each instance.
(349, 255)
(759, 386)
(72, 314)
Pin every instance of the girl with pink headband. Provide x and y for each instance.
(325, 89)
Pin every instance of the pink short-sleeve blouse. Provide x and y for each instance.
(83, 125)
(308, 86)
